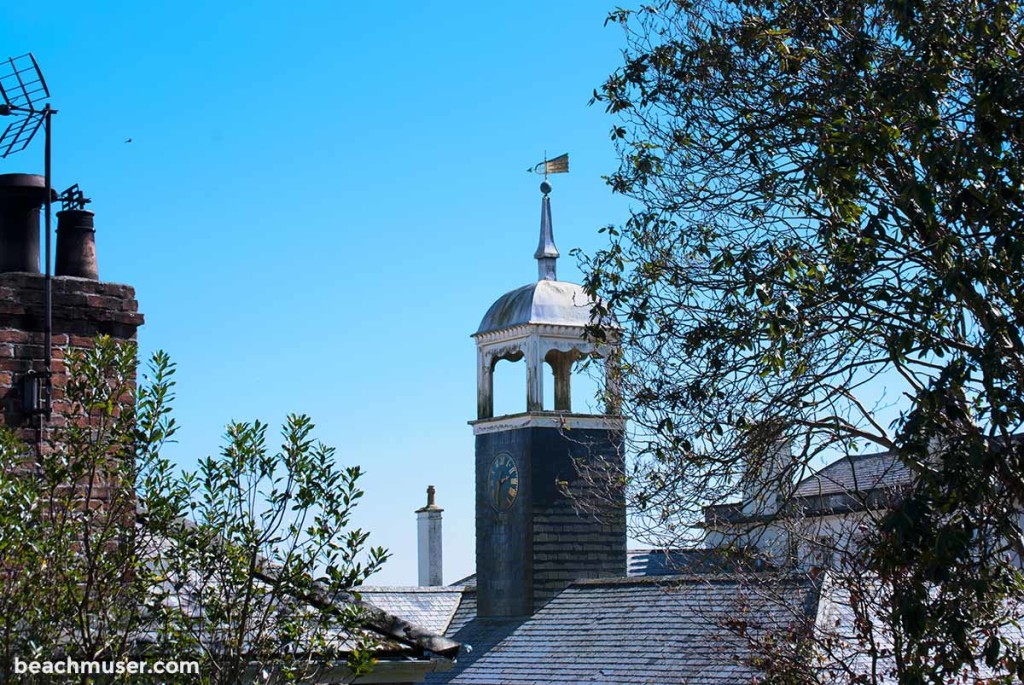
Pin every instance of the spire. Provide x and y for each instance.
(546, 254)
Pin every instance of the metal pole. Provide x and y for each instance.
(48, 324)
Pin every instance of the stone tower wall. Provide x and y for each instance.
(579, 522)
(563, 526)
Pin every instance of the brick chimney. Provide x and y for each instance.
(83, 306)
(428, 525)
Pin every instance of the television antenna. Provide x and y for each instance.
(25, 97)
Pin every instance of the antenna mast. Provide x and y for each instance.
(25, 94)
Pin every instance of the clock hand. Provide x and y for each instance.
(499, 486)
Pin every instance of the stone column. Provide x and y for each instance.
(484, 385)
(534, 375)
(561, 364)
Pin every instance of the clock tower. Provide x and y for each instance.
(549, 501)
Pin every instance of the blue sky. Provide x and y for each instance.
(320, 201)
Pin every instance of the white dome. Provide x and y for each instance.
(544, 302)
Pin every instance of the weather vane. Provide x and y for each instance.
(558, 165)
(73, 198)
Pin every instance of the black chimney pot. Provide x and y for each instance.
(21, 196)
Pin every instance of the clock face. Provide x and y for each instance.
(502, 482)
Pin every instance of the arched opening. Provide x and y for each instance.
(508, 387)
(549, 386)
(580, 383)
(587, 377)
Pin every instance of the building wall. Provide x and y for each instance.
(802, 541)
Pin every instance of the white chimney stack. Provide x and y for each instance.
(428, 524)
(768, 480)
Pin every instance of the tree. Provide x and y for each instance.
(826, 250)
(112, 553)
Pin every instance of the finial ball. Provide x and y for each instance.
(545, 187)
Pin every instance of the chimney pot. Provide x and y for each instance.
(76, 244)
(21, 197)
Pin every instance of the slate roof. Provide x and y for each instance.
(856, 474)
(469, 581)
(431, 608)
(667, 562)
(466, 611)
(447, 609)
(635, 631)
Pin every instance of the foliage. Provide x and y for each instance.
(111, 553)
(825, 249)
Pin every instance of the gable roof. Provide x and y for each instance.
(859, 473)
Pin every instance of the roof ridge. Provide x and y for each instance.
(680, 578)
(418, 589)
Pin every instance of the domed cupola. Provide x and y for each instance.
(544, 322)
